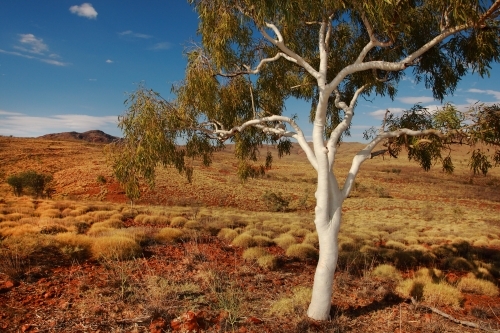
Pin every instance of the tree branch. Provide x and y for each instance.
(365, 153)
(453, 319)
(288, 54)
(217, 131)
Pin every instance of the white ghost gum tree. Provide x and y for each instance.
(255, 54)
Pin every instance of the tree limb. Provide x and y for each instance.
(453, 319)
(291, 56)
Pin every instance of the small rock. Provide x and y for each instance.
(158, 326)
(11, 284)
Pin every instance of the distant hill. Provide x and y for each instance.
(89, 136)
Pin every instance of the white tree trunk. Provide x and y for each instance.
(327, 222)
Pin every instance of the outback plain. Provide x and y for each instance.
(221, 255)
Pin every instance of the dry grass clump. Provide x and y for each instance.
(26, 244)
(312, 238)
(13, 217)
(471, 284)
(392, 244)
(169, 235)
(178, 221)
(254, 253)
(268, 261)
(111, 223)
(244, 240)
(115, 247)
(227, 234)
(428, 286)
(153, 219)
(10, 230)
(263, 241)
(301, 232)
(192, 225)
(387, 272)
(458, 264)
(52, 213)
(139, 218)
(285, 241)
(296, 304)
(302, 251)
(76, 246)
(442, 294)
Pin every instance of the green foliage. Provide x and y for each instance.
(39, 184)
(276, 202)
(152, 128)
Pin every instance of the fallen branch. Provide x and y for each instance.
(453, 319)
(140, 319)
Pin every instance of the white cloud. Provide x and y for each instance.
(134, 34)
(494, 93)
(109, 61)
(35, 45)
(18, 124)
(162, 46)
(32, 47)
(415, 100)
(54, 62)
(379, 114)
(92, 79)
(85, 10)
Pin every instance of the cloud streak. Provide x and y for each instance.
(18, 124)
(134, 34)
(415, 100)
(494, 93)
(85, 10)
(31, 47)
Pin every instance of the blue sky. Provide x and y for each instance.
(66, 66)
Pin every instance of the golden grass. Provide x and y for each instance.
(263, 241)
(293, 305)
(169, 235)
(302, 251)
(268, 261)
(285, 241)
(244, 240)
(227, 234)
(115, 247)
(470, 284)
(178, 221)
(312, 238)
(254, 253)
(386, 272)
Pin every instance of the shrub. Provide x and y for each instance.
(244, 240)
(17, 184)
(39, 184)
(387, 272)
(300, 232)
(115, 248)
(276, 202)
(263, 240)
(53, 229)
(470, 284)
(268, 261)
(285, 241)
(178, 221)
(169, 235)
(302, 251)
(254, 253)
(458, 264)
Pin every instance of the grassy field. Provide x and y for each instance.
(210, 256)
